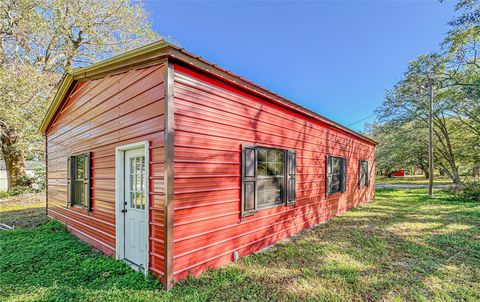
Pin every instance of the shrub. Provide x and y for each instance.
(24, 185)
(468, 191)
(39, 180)
(29, 184)
(17, 190)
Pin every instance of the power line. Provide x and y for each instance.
(361, 120)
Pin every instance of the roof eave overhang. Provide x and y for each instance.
(154, 53)
(65, 84)
(200, 63)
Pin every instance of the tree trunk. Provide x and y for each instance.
(14, 157)
(447, 150)
(424, 169)
(456, 175)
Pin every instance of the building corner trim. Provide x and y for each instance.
(168, 170)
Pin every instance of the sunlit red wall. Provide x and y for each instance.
(212, 121)
(98, 116)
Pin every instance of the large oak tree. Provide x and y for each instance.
(40, 40)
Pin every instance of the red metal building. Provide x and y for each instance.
(398, 173)
(176, 165)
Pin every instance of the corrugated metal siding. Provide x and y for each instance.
(212, 121)
(98, 116)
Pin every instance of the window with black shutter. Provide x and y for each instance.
(78, 181)
(363, 175)
(268, 178)
(336, 174)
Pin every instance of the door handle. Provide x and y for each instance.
(124, 211)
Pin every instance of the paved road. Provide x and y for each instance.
(407, 186)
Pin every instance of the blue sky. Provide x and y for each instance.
(335, 58)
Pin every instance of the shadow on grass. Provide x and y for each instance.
(403, 246)
(408, 253)
(30, 217)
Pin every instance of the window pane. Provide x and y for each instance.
(262, 154)
(79, 166)
(279, 155)
(138, 164)
(262, 169)
(270, 191)
(132, 165)
(271, 168)
(271, 155)
(138, 200)
(270, 187)
(138, 184)
(78, 192)
(334, 180)
(270, 162)
(363, 173)
(279, 169)
(335, 187)
(79, 186)
(336, 165)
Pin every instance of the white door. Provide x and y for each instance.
(134, 207)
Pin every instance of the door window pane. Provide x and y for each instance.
(137, 182)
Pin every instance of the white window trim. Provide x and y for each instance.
(120, 199)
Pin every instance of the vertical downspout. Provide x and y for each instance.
(168, 170)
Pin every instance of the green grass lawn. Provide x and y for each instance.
(403, 246)
(411, 179)
(27, 210)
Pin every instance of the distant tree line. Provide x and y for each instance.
(452, 74)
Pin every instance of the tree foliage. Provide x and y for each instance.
(56, 35)
(399, 147)
(453, 74)
(40, 40)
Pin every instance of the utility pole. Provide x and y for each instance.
(430, 143)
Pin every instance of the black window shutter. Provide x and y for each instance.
(291, 176)
(367, 175)
(359, 174)
(328, 174)
(69, 181)
(344, 175)
(249, 180)
(87, 203)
